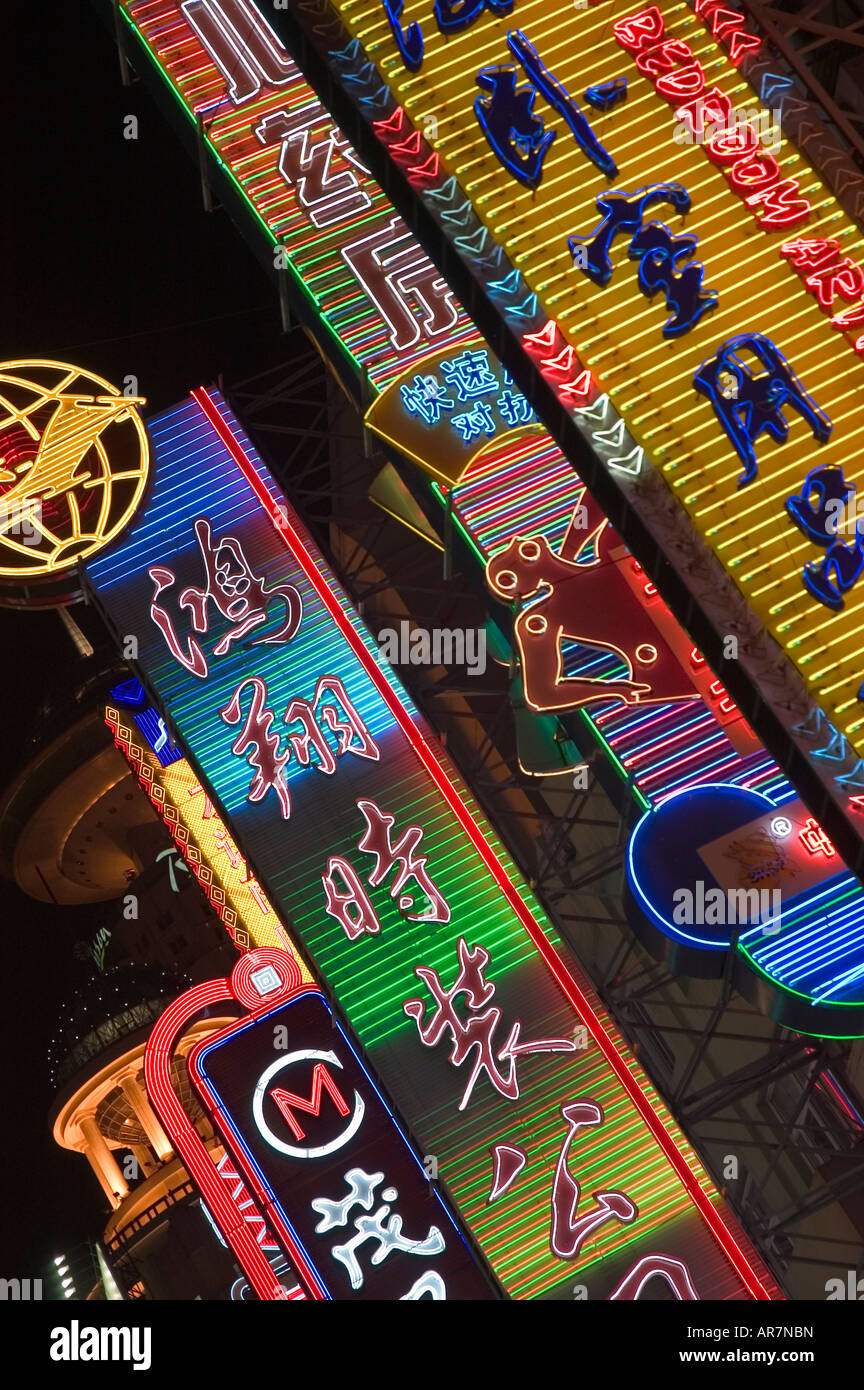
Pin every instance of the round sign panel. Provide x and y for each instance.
(73, 467)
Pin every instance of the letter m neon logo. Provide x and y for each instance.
(288, 1102)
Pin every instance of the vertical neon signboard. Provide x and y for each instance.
(492, 1046)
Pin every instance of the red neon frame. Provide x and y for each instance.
(193, 1151)
(558, 969)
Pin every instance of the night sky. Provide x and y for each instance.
(109, 262)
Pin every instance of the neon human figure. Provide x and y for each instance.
(585, 603)
(746, 404)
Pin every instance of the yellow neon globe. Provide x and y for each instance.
(73, 466)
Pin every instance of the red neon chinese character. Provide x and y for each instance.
(236, 592)
(477, 1031)
(260, 746)
(814, 839)
(226, 844)
(310, 737)
(352, 735)
(377, 841)
(569, 1233)
(192, 658)
(208, 804)
(255, 889)
(352, 909)
(239, 595)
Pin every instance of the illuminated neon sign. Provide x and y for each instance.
(379, 297)
(661, 750)
(305, 1127)
(734, 323)
(73, 466)
(395, 843)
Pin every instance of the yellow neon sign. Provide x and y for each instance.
(617, 329)
(203, 840)
(73, 465)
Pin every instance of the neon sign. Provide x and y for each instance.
(379, 296)
(73, 466)
(670, 747)
(577, 595)
(203, 843)
(434, 876)
(548, 242)
(753, 173)
(344, 1118)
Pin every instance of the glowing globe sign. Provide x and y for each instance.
(73, 466)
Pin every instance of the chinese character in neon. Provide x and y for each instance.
(239, 596)
(817, 511)
(814, 839)
(409, 41)
(747, 404)
(349, 902)
(506, 115)
(262, 746)
(569, 1232)
(477, 1031)
(664, 260)
(382, 1227)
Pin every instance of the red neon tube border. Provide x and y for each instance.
(561, 974)
(190, 1146)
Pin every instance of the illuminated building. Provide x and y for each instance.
(157, 1241)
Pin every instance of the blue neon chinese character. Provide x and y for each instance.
(409, 41)
(426, 399)
(622, 212)
(664, 259)
(833, 575)
(746, 404)
(514, 408)
(453, 15)
(506, 115)
(469, 373)
(817, 509)
(477, 421)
